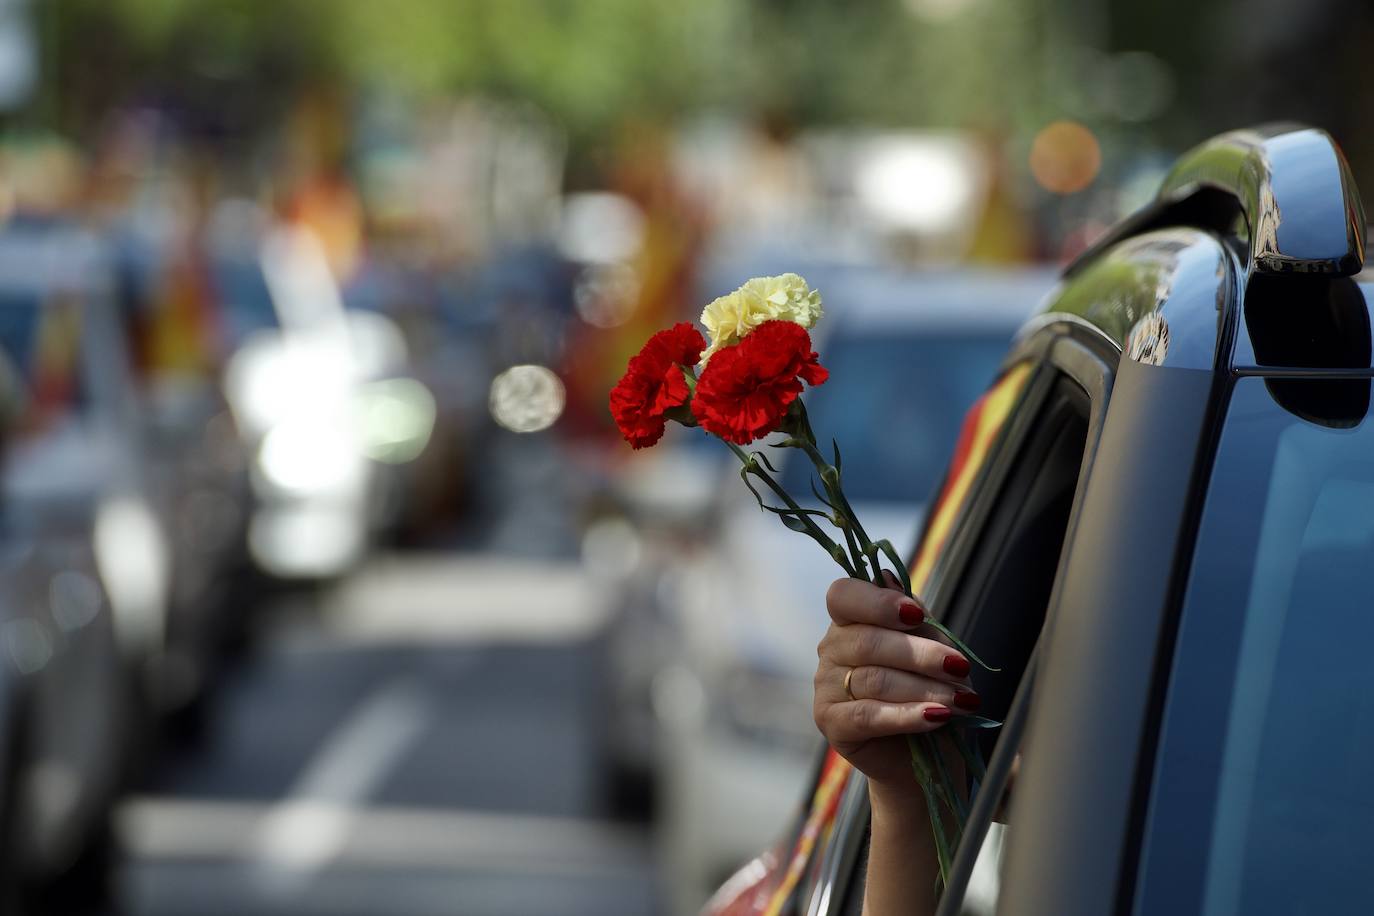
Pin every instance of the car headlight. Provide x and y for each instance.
(310, 456)
(395, 418)
(273, 378)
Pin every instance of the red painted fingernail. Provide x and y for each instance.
(911, 613)
(966, 699)
(957, 665)
(937, 714)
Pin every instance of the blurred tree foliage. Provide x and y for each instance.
(591, 64)
(228, 69)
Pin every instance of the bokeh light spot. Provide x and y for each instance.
(526, 399)
(1065, 157)
(606, 294)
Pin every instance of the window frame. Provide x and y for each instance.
(1105, 652)
(1056, 350)
(1086, 361)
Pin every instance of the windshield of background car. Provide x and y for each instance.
(903, 396)
(41, 344)
(1263, 793)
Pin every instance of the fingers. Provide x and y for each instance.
(855, 601)
(898, 683)
(889, 685)
(857, 645)
(860, 720)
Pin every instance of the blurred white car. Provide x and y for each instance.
(318, 393)
(907, 353)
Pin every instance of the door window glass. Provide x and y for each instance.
(1262, 796)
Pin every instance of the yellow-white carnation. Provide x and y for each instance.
(783, 298)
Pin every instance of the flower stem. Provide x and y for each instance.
(830, 479)
(920, 767)
(857, 556)
(752, 466)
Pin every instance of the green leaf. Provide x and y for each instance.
(763, 459)
(891, 553)
(793, 518)
(973, 722)
(744, 476)
(814, 513)
(857, 555)
(953, 798)
(817, 494)
(804, 421)
(836, 446)
(919, 766)
(973, 758)
(937, 825)
(958, 643)
(790, 517)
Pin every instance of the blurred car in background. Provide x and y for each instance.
(192, 460)
(197, 469)
(426, 493)
(83, 557)
(907, 353)
(321, 397)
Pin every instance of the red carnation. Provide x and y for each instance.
(745, 390)
(654, 384)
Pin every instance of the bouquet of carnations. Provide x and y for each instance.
(745, 385)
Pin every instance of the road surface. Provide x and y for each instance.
(423, 739)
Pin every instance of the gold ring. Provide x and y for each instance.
(848, 675)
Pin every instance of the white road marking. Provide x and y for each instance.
(306, 830)
(163, 830)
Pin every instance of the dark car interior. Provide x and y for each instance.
(1005, 588)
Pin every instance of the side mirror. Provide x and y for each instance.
(1290, 185)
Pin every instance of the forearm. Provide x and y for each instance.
(902, 863)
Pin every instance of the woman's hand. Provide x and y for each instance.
(898, 683)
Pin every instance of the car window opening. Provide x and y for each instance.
(1007, 592)
(1006, 588)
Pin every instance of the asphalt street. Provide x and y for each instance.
(425, 738)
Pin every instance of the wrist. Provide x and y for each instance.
(897, 799)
